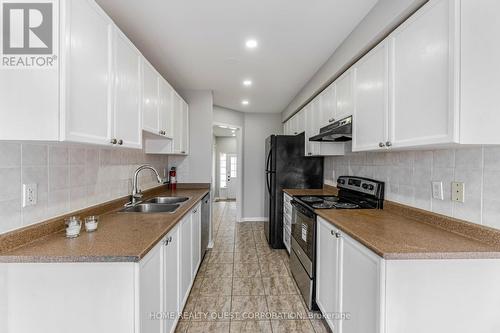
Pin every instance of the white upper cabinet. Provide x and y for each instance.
(344, 93)
(150, 113)
(127, 126)
(423, 66)
(165, 108)
(371, 100)
(88, 74)
(312, 114)
(178, 124)
(328, 101)
(100, 91)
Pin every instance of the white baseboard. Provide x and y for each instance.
(253, 219)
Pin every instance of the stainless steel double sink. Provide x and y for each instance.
(157, 205)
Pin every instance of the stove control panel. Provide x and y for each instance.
(360, 184)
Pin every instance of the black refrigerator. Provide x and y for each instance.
(286, 167)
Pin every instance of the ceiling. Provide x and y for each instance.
(201, 44)
(224, 132)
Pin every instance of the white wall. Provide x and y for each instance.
(227, 145)
(408, 176)
(384, 16)
(69, 178)
(255, 129)
(195, 167)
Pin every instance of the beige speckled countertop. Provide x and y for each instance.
(121, 237)
(393, 235)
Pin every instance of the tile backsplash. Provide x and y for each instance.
(408, 176)
(69, 177)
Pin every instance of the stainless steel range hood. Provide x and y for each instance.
(339, 131)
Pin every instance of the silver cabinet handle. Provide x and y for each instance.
(120, 142)
(338, 235)
(194, 211)
(113, 141)
(183, 152)
(381, 145)
(331, 120)
(309, 154)
(332, 232)
(388, 143)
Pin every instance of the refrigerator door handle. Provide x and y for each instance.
(268, 159)
(268, 183)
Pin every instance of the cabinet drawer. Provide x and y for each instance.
(287, 234)
(287, 222)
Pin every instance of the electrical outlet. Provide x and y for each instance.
(30, 194)
(458, 192)
(437, 190)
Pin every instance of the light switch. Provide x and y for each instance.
(437, 190)
(458, 192)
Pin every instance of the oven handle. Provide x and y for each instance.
(304, 211)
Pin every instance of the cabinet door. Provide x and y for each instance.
(328, 105)
(196, 239)
(371, 100)
(422, 110)
(127, 93)
(327, 270)
(177, 117)
(87, 111)
(311, 115)
(171, 281)
(150, 115)
(300, 122)
(185, 128)
(344, 90)
(150, 286)
(185, 259)
(361, 288)
(165, 108)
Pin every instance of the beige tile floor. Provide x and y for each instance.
(243, 285)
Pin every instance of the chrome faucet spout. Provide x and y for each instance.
(136, 192)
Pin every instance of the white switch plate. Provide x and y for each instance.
(30, 194)
(437, 190)
(458, 191)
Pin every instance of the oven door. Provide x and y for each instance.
(303, 230)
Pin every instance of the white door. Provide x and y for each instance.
(165, 108)
(361, 288)
(328, 105)
(196, 239)
(422, 110)
(150, 283)
(171, 281)
(327, 271)
(150, 116)
(127, 129)
(185, 259)
(185, 128)
(87, 109)
(371, 100)
(344, 94)
(232, 174)
(178, 123)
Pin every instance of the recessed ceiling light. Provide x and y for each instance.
(251, 43)
(247, 83)
(245, 102)
(221, 126)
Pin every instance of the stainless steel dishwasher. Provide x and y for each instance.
(205, 223)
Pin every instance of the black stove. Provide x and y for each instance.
(354, 193)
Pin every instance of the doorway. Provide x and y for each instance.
(227, 176)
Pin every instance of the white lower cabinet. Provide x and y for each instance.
(359, 291)
(125, 297)
(186, 258)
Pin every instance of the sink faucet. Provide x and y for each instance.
(136, 193)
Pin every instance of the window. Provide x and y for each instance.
(233, 166)
(223, 170)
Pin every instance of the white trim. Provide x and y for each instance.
(253, 219)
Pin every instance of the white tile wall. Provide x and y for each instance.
(408, 176)
(69, 177)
